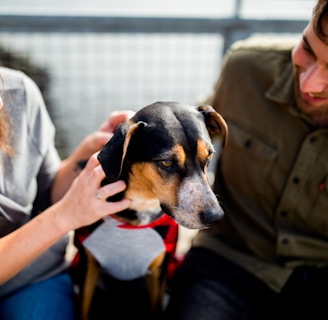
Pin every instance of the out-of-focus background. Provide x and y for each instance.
(92, 57)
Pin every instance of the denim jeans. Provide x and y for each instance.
(51, 299)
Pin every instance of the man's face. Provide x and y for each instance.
(310, 59)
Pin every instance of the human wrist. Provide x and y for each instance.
(60, 218)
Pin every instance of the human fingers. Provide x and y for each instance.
(109, 190)
(97, 174)
(83, 202)
(114, 119)
(98, 139)
(93, 172)
(92, 143)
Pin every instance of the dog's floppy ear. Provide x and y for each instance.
(215, 124)
(112, 155)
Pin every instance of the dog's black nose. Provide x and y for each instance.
(211, 216)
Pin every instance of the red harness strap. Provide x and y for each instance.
(165, 226)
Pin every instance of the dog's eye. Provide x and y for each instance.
(166, 163)
(208, 159)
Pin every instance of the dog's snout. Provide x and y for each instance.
(211, 216)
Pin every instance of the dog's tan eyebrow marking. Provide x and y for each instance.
(180, 154)
(202, 150)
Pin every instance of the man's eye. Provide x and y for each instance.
(307, 48)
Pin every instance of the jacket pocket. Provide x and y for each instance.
(248, 162)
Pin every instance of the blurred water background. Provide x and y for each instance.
(90, 73)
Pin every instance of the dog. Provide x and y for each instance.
(162, 153)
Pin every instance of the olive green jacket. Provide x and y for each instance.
(272, 175)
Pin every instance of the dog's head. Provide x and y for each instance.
(163, 153)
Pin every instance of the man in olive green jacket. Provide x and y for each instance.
(268, 257)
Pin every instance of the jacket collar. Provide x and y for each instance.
(282, 92)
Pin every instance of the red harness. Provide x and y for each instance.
(165, 226)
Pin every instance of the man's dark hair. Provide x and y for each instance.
(320, 20)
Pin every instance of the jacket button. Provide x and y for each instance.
(284, 214)
(296, 180)
(284, 241)
(313, 139)
(248, 143)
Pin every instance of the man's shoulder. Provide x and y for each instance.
(263, 42)
(262, 53)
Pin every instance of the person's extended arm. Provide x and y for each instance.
(78, 207)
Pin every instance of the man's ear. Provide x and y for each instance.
(112, 155)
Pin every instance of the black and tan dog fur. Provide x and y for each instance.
(163, 153)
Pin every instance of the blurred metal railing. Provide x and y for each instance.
(97, 64)
(230, 28)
